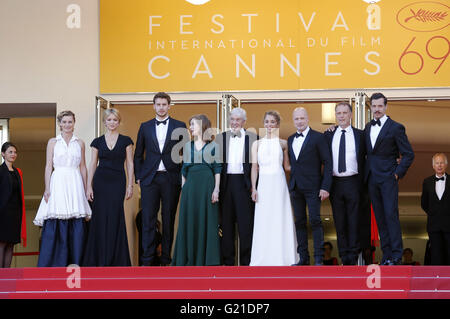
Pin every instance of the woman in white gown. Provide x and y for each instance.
(274, 242)
(64, 206)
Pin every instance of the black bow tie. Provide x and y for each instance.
(238, 134)
(439, 178)
(297, 134)
(374, 122)
(161, 122)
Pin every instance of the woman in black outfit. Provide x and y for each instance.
(107, 187)
(11, 205)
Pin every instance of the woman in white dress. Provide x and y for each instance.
(274, 241)
(64, 206)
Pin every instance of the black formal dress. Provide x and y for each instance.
(107, 243)
(10, 206)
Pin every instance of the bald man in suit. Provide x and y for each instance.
(308, 185)
(435, 201)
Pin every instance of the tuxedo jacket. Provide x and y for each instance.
(360, 147)
(438, 211)
(147, 155)
(224, 141)
(306, 170)
(392, 142)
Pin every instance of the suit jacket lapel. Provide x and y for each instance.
(169, 134)
(246, 153)
(305, 142)
(447, 186)
(289, 143)
(153, 133)
(367, 137)
(383, 132)
(226, 145)
(357, 141)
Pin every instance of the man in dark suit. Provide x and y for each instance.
(308, 151)
(157, 171)
(386, 140)
(347, 146)
(237, 206)
(436, 203)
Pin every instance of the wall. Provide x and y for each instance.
(42, 60)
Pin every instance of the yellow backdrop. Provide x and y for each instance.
(173, 45)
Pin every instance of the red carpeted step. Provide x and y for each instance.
(430, 282)
(226, 282)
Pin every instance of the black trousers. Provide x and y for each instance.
(440, 248)
(364, 225)
(161, 193)
(236, 207)
(345, 199)
(301, 199)
(384, 198)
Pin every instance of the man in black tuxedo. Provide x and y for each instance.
(386, 140)
(157, 171)
(436, 203)
(237, 206)
(347, 146)
(308, 151)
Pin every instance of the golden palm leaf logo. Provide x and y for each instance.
(424, 16)
(427, 15)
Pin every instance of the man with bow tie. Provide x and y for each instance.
(236, 206)
(385, 141)
(308, 186)
(158, 175)
(435, 202)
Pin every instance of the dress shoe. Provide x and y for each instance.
(396, 262)
(387, 262)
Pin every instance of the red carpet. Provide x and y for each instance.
(329, 282)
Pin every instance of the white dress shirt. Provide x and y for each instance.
(235, 154)
(440, 187)
(351, 162)
(161, 134)
(297, 143)
(375, 130)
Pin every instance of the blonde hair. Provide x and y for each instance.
(60, 116)
(275, 114)
(112, 111)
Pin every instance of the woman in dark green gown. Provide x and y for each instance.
(197, 242)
